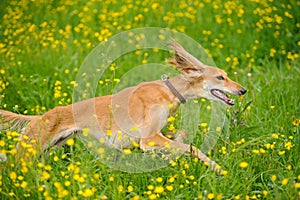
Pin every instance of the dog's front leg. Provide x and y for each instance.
(159, 141)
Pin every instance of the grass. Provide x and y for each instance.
(43, 44)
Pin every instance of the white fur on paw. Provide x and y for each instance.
(3, 158)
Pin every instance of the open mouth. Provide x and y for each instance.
(222, 96)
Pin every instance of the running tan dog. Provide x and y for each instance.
(136, 113)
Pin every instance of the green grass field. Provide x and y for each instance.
(42, 46)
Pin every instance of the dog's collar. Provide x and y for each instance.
(165, 79)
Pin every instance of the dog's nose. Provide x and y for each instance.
(243, 91)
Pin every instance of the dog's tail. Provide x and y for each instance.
(13, 121)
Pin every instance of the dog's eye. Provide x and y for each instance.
(220, 77)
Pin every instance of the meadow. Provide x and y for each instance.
(42, 46)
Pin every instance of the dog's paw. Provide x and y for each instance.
(3, 158)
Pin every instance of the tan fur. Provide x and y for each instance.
(139, 112)
(9, 120)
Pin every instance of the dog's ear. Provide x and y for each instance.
(185, 62)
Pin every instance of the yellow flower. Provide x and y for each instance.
(88, 192)
(24, 184)
(85, 131)
(135, 198)
(151, 143)
(284, 181)
(102, 140)
(48, 167)
(67, 71)
(109, 132)
(152, 196)
(127, 151)
(171, 179)
(55, 158)
(204, 124)
(67, 183)
(265, 193)
(135, 144)
(150, 187)
(11, 194)
(120, 188)
(171, 119)
(45, 175)
(274, 177)
(41, 189)
(268, 146)
(297, 185)
(112, 67)
(96, 176)
(159, 189)
(173, 164)
(210, 196)
(288, 145)
(169, 187)
(255, 151)
(296, 122)
(243, 164)
(101, 151)
(224, 173)
(13, 175)
(70, 142)
(159, 179)
(130, 188)
(71, 167)
(116, 80)
(275, 136)
(261, 150)
(172, 128)
(134, 128)
(90, 144)
(220, 196)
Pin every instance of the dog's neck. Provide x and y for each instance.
(165, 78)
(183, 87)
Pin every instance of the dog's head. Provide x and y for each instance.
(205, 81)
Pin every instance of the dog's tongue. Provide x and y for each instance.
(221, 95)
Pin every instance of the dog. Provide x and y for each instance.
(137, 113)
